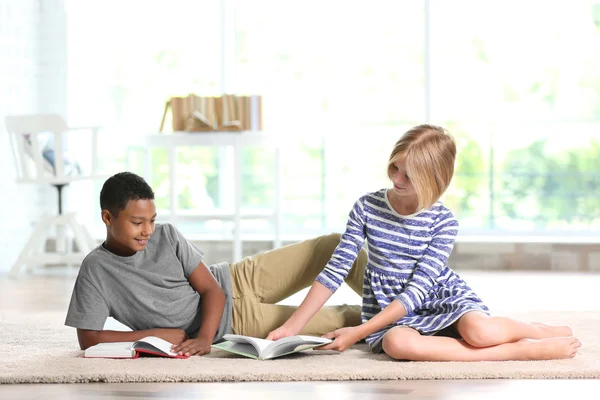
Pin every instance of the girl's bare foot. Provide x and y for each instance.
(550, 348)
(552, 331)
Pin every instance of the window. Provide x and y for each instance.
(126, 58)
(344, 80)
(515, 82)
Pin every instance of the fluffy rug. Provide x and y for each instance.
(37, 348)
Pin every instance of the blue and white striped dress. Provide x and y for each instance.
(407, 261)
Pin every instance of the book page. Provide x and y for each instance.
(110, 350)
(154, 343)
(244, 349)
(259, 344)
(313, 339)
(292, 344)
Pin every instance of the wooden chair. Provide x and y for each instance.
(38, 144)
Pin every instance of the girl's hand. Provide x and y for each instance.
(343, 338)
(280, 332)
(192, 347)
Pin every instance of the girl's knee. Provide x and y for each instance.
(478, 331)
(401, 343)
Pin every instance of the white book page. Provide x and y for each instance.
(300, 339)
(155, 343)
(315, 339)
(245, 349)
(114, 349)
(259, 344)
(294, 343)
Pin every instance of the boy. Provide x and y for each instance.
(153, 280)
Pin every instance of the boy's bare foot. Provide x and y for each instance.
(552, 331)
(550, 348)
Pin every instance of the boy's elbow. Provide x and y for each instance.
(218, 292)
(83, 345)
(219, 296)
(87, 338)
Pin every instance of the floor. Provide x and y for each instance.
(50, 290)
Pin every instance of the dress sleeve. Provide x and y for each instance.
(431, 263)
(345, 253)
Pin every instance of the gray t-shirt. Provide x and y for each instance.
(147, 290)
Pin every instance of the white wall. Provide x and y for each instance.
(32, 79)
(52, 57)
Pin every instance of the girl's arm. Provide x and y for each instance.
(314, 300)
(346, 337)
(426, 272)
(332, 276)
(430, 265)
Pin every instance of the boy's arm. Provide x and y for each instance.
(213, 303)
(88, 338)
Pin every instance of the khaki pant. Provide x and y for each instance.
(260, 281)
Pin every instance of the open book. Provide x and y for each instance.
(262, 349)
(150, 346)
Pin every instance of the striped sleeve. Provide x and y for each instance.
(431, 264)
(345, 254)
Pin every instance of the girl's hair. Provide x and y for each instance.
(429, 152)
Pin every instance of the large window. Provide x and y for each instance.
(126, 58)
(519, 84)
(344, 79)
(516, 82)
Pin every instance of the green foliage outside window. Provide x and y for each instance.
(551, 189)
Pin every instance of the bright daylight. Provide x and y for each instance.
(261, 198)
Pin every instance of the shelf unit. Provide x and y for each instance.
(237, 141)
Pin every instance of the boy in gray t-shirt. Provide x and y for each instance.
(153, 280)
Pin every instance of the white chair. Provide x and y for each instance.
(38, 144)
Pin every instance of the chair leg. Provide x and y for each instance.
(62, 246)
(91, 242)
(35, 242)
(34, 251)
(81, 235)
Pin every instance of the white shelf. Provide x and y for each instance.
(217, 214)
(237, 141)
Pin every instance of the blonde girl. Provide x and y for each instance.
(415, 307)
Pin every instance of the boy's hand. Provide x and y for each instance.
(192, 347)
(171, 335)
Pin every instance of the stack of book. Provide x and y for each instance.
(228, 112)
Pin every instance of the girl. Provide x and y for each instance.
(414, 306)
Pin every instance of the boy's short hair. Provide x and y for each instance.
(429, 151)
(122, 187)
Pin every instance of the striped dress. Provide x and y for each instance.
(407, 261)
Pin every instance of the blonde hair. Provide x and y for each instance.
(429, 152)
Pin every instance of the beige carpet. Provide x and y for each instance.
(36, 348)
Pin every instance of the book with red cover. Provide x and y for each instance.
(149, 346)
